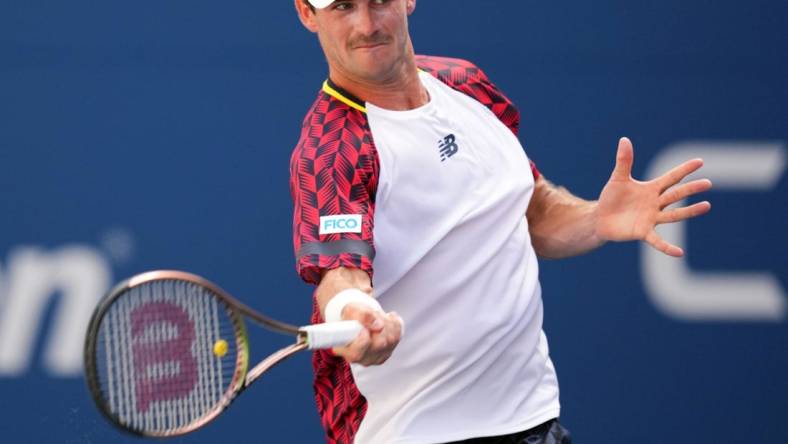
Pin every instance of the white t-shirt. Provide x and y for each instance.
(452, 255)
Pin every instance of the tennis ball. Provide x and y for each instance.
(220, 348)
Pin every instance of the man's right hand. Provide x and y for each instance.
(381, 332)
(376, 341)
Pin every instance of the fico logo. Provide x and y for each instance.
(342, 223)
(30, 278)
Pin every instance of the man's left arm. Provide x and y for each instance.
(563, 225)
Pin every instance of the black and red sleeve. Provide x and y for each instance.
(333, 178)
(470, 80)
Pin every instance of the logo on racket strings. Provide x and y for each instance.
(154, 351)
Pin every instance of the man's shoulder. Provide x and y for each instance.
(333, 132)
(467, 78)
(331, 121)
(452, 71)
(331, 105)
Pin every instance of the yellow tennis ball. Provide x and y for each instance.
(220, 348)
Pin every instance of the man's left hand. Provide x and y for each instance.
(630, 209)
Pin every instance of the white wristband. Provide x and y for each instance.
(333, 312)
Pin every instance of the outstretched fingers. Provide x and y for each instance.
(662, 245)
(683, 213)
(683, 191)
(678, 173)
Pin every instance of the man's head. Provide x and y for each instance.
(367, 40)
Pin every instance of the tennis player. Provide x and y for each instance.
(414, 200)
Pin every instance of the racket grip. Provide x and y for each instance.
(331, 334)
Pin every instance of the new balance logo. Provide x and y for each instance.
(448, 147)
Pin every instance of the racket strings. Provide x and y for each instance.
(159, 366)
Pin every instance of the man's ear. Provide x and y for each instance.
(306, 15)
(411, 5)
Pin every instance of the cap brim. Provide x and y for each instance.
(320, 4)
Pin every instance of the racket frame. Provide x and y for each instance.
(242, 376)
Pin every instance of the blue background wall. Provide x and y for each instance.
(158, 134)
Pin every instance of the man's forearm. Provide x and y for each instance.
(340, 279)
(561, 224)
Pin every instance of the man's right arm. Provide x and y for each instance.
(382, 331)
(334, 171)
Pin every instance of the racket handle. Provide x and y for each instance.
(331, 334)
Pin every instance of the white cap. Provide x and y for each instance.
(320, 4)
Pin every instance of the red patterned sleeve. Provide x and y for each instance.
(333, 179)
(470, 80)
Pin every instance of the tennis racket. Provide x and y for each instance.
(167, 351)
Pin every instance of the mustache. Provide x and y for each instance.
(376, 38)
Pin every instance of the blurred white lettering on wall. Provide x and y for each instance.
(29, 281)
(682, 293)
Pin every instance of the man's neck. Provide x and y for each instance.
(403, 91)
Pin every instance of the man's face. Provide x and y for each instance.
(364, 39)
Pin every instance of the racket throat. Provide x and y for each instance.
(273, 360)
